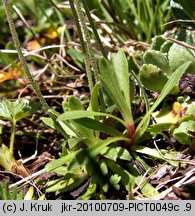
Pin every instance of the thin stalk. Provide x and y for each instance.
(94, 28)
(151, 10)
(87, 40)
(21, 57)
(12, 139)
(24, 64)
(78, 26)
(86, 47)
(151, 27)
(139, 10)
(88, 71)
(103, 51)
(135, 12)
(83, 45)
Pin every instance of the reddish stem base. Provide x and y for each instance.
(131, 131)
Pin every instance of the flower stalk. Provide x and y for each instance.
(24, 64)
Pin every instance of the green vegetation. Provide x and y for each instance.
(110, 108)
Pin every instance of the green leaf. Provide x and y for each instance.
(61, 161)
(187, 6)
(157, 42)
(178, 12)
(109, 152)
(74, 103)
(69, 129)
(77, 56)
(152, 77)
(126, 178)
(62, 171)
(63, 185)
(14, 193)
(103, 167)
(71, 115)
(14, 111)
(187, 36)
(1, 192)
(29, 194)
(184, 133)
(48, 121)
(158, 129)
(6, 191)
(98, 126)
(54, 112)
(114, 181)
(94, 169)
(114, 152)
(7, 159)
(155, 154)
(191, 108)
(179, 55)
(159, 60)
(80, 155)
(20, 196)
(71, 186)
(65, 106)
(146, 188)
(120, 66)
(65, 126)
(148, 151)
(111, 84)
(86, 155)
(142, 162)
(91, 190)
(165, 91)
(94, 103)
(72, 142)
(83, 132)
(145, 96)
(166, 47)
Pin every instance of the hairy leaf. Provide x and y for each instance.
(71, 115)
(165, 91)
(98, 126)
(120, 66)
(79, 157)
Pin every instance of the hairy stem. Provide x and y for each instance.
(88, 70)
(90, 58)
(24, 64)
(86, 34)
(83, 45)
(77, 25)
(94, 28)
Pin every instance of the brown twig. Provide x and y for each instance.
(181, 43)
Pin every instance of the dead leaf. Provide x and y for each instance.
(41, 161)
(12, 73)
(33, 45)
(19, 169)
